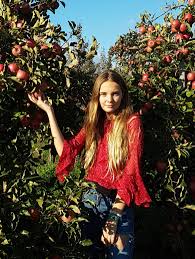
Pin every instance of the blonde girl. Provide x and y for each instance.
(112, 138)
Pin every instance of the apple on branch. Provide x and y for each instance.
(175, 24)
(193, 85)
(30, 43)
(2, 66)
(191, 76)
(22, 75)
(191, 2)
(13, 68)
(189, 18)
(17, 50)
(142, 29)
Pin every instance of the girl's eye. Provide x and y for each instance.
(103, 94)
(116, 94)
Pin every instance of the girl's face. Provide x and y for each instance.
(110, 96)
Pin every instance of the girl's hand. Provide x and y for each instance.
(109, 233)
(40, 100)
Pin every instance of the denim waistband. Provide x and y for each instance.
(111, 193)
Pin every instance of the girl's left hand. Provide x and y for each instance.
(109, 233)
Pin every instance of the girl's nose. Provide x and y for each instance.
(109, 98)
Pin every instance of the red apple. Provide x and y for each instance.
(151, 28)
(191, 76)
(146, 108)
(17, 50)
(145, 77)
(159, 40)
(22, 75)
(39, 115)
(35, 124)
(193, 85)
(30, 43)
(148, 49)
(44, 46)
(160, 166)
(19, 24)
(2, 66)
(25, 121)
(184, 51)
(191, 2)
(43, 86)
(175, 24)
(179, 37)
(13, 68)
(173, 29)
(141, 84)
(57, 49)
(189, 18)
(175, 134)
(70, 215)
(142, 29)
(151, 43)
(34, 214)
(167, 59)
(46, 51)
(183, 27)
(186, 36)
(151, 69)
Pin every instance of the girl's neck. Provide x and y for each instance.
(110, 117)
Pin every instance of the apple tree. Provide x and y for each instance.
(157, 61)
(39, 217)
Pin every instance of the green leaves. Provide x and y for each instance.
(165, 61)
(183, 150)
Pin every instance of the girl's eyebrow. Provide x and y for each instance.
(116, 91)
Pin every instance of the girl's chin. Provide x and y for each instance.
(110, 111)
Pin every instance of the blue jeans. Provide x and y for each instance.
(97, 207)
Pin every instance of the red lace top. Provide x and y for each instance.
(129, 186)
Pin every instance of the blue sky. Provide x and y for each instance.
(105, 19)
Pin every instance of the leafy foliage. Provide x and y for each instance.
(156, 62)
(37, 56)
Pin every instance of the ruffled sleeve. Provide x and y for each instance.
(130, 186)
(70, 150)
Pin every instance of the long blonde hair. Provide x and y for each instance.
(118, 141)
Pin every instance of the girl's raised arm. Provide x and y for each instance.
(43, 104)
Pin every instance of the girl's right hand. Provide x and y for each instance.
(40, 100)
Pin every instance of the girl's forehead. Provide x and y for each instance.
(109, 86)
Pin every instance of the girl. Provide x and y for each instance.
(113, 139)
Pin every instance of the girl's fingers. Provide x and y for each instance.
(104, 240)
(33, 98)
(108, 239)
(30, 96)
(39, 98)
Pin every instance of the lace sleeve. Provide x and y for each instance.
(130, 186)
(70, 150)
